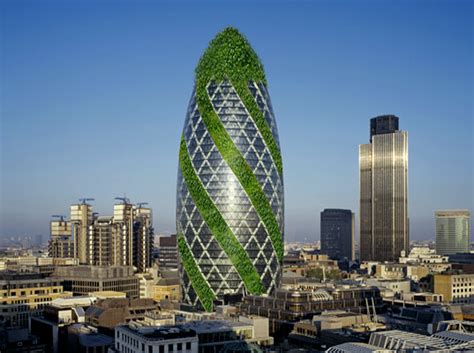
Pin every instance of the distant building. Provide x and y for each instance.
(167, 289)
(61, 244)
(19, 340)
(155, 339)
(52, 326)
(462, 258)
(124, 239)
(287, 307)
(87, 339)
(330, 328)
(81, 219)
(167, 252)
(82, 280)
(463, 262)
(108, 313)
(338, 234)
(455, 288)
(383, 191)
(214, 334)
(397, 287)
(25, 294)
(452, 231)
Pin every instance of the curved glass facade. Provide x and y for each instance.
(229, 194)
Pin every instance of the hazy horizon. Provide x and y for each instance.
(94, 97)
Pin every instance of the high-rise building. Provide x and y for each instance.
(338, 234)
(452, 231)
(383, 191)
(168, 252)
(81, 219)
(230, 178)
(124, 239)
(61, 244)
(104, 249)
(143, 238)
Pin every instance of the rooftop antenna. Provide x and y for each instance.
(85, 199)
(125, 200)
(140, 204)
(61, 217)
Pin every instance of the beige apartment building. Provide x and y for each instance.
(124, 239)
(25, 294)
(455, 288)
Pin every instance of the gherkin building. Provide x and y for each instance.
(229, 211)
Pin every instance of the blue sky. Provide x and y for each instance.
(94, 96)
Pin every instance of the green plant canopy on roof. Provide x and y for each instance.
(229, 55)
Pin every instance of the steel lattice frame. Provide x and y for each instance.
(230, 182)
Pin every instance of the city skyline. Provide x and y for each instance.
(65, 118)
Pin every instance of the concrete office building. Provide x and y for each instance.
(455, 287)
(452, 231)
(61, 244)
(384, 191)
(108, 313)
(338, 234)
(168, 252)
(52, 326)
(87, 339)
(155, 340)
(81, 219)
(124, 239)
(230, 180)
(82, 280)
(25, 294)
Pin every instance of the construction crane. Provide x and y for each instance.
(125, 200)
(140, 204)
(85, 199)
(60, 216)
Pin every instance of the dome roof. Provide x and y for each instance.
(229, 55)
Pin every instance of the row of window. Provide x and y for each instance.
(136, 344)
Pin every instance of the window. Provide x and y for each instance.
(188, 346)
(170, 347)
(162, 349)
(180, 347)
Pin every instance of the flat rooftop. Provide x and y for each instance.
(160, 333)
(205, 326)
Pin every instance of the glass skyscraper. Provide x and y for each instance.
(452, 231)
(229, 211)
(383, 167)
(337, 233)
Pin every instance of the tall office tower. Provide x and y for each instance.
(452, 231)
(168, 252)
(383, 191)
(123, 219)
(61, 244)
(81, 219)
(124, 239)
(230, 178)
(101, 242)
(142, 238)
(338, 234)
